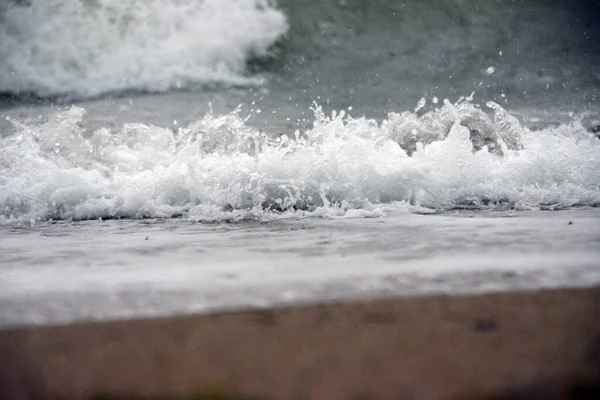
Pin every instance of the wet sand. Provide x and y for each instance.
(543, 344)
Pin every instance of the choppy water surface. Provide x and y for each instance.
(321, 138)
(220, 169)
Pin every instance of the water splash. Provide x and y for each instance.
(91, 47)
(219, 168)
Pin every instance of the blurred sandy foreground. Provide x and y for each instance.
(525, 345)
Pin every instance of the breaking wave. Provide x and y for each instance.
(86, 48)
(219, 168)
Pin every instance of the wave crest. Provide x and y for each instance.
(219, 168)
(90, 47)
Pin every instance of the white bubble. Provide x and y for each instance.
(151, 45)
(219, 168)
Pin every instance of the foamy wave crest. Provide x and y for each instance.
(219, 168)
(91, 47)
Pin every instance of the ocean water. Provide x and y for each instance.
(287, 151)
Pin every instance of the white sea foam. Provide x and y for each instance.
(90, 47)
(219, 168)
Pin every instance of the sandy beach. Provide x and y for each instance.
(526, 345)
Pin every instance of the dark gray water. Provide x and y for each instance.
(390, 53)
(375, 56)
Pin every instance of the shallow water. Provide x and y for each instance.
(61, 272)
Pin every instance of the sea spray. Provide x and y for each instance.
(220, 168)
(89, 48)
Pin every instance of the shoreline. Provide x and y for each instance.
(535, 344)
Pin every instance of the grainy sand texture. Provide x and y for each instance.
(527, 345)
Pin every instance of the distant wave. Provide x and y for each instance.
(87, 48)
(379, 49)
(219, 168)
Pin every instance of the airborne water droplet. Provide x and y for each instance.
(421, 103)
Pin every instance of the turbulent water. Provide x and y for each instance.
(467, 130)
(220, 168)
(87, 48)
(441, 155)
(383, 52)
